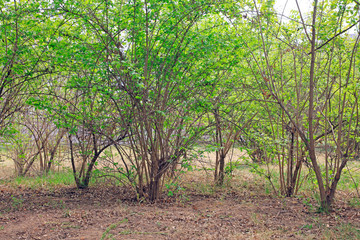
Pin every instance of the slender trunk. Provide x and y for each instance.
(53, 152)
(30, 163)
(86, 179)
(216, 165)
(221, 176)
(330, 196)
(290, 176)
(311, 146)
(77, 180)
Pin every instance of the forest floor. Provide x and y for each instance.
(245, 208)
(199, 212)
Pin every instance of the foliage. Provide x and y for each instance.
(128, 89)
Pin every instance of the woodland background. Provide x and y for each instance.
(145, 95)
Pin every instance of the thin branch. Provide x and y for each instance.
(357, 2)
(336, 35)
(302, 20)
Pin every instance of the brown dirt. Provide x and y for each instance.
(109, 212)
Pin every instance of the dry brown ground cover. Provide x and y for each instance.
(220, 213)
(240, 210)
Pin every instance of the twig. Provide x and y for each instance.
(336, 35)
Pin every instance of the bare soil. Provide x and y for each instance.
(110, 213)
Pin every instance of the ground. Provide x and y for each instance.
(105, 212)
(245, 208)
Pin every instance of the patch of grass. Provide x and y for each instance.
(51, 223)
(343, 231)
(16, 203)
(125, 232)
(67, 225)
(354, 202)
(67, 213)
(307, 226)
(128, 232)
(350, 178)
(106, 234)
(204, 188)
(52, 179)
(55, 204)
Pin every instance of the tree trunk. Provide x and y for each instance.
(311, 146)
(221, 175)
(85, 180)
(154, 188)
